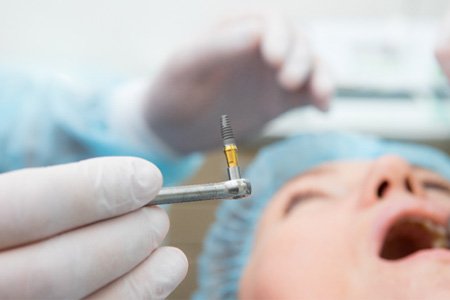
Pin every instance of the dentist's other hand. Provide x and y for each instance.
(75, 230)
(251, 67)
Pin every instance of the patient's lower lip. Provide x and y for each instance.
(428, 255)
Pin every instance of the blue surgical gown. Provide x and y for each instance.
(47, 120)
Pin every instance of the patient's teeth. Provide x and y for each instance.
(440, 234)
(448, 234)
(435, 228)
(440, 243)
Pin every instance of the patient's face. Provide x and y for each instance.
(354, 230)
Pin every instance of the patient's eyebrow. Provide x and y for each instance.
(317, 171)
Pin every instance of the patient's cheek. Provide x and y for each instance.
(296, 257)
(259, 282)
(276, 280)
(284, 267)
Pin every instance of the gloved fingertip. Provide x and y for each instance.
(177, 259)
(442, 49)
(158, 224)
(147, 180)
(169, 267)
(322, 88)
(273, 56)
(442, 46)
(298, 65)
(322, 99)
(276, 39)
(154, 278)
(293, 77)
(323, 105)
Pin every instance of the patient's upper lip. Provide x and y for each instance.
(398, 209)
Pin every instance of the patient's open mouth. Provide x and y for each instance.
(411, 234)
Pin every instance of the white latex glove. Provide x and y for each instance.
(443, 46)
(75, 230)
(252, 68)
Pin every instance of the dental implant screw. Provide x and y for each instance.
(229, 148)
(227, 132)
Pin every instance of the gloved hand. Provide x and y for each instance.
(75, 230)
(252, 68)
(443, 46)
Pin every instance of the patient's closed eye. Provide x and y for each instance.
(303, 196)
(437, 186)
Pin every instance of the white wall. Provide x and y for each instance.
(132, 36)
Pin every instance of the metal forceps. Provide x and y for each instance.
(234, 188)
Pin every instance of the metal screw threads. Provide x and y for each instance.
(227, 132)
(230, 148)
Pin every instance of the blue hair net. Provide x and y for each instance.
(46, 119)
(228, 244)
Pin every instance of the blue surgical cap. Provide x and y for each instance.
(227, 246)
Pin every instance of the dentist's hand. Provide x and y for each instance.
(252, 68)
(78, 230)
(443, 46)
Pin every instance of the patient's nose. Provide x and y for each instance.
(388, 174)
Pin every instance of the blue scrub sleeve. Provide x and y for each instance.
(47, 119)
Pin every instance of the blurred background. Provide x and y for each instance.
(381, 53)
(377, 50)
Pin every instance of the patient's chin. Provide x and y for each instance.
(421, 279)
(419, 287)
